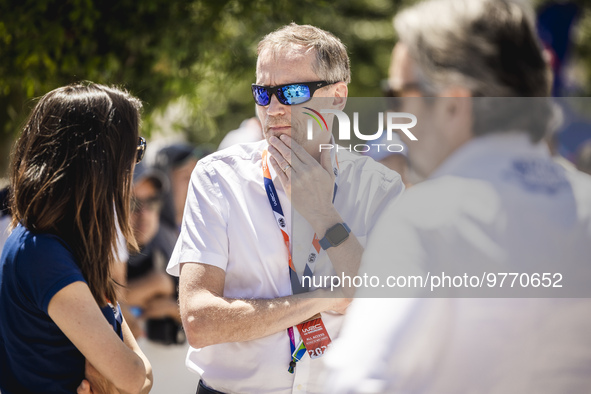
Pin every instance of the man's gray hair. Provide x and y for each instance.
(489, 47)
(332, 62)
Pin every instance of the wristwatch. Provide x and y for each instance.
(335, 235)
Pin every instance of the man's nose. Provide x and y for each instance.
(275, 108)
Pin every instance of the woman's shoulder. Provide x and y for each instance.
(40, 264)
(28, 243)
(37, 257)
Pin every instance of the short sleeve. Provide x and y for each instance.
(203, 237)
(44, 266)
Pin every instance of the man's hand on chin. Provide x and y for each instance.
(308, 183)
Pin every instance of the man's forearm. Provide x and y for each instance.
(346, 257)
(210, 319)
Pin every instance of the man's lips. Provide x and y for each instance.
(277, 130)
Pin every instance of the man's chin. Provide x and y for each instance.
(277, 132)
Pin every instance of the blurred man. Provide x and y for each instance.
(249, 131)
(494, 202)
(240, 289)
(150, 288)
(177, 161)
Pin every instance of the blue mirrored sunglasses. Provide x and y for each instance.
(288, 94)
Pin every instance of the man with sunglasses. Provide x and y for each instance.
(261, 217)
(495, 213)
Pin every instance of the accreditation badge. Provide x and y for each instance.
(315, 336)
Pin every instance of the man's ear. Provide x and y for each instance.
(458, 101)
(340, 95)
(459, 106)
(459, 115)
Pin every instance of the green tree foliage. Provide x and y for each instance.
(47, 43)
(200, 50)
(582, 50)
(161, 50)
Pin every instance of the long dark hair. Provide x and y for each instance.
(71, 175)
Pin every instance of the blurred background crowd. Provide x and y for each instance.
(192, 62)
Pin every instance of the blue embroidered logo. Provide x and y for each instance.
(538, 175)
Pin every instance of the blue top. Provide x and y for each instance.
(35, 356)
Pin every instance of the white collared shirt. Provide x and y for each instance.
(228, 223)
(498, 201)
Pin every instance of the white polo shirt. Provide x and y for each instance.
(228, 223)
(499, 201)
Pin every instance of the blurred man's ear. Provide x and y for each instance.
(340, 95)
(459, 116)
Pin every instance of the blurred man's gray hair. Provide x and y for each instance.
(332, 62)
(489, 47)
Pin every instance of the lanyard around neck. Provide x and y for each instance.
(296, 351)
(282, 224)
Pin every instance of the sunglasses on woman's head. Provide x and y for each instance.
(288, 94)
(141, 150)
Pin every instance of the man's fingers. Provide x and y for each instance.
(280, 151)
(279, 158)
(284, 164)
(282, 175)
(297, 150)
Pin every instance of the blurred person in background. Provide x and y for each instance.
(493, 198)
(583, 158)
(150, 290)
(177, 161)
(61, 328)
(249, 131)
(151, 297)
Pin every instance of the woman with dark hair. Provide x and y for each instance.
(71, 178)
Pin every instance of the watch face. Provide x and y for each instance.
(337, 234)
